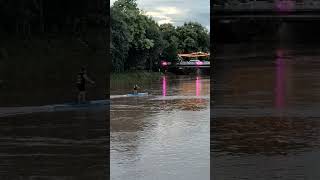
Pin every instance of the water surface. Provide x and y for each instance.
(265, 118)
(64, 144)
(164, 135)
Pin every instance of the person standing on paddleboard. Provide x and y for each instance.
(135, 89)
(81, 84)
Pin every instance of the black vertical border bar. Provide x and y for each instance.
(108, 26)
(217, 38)
(22, 158)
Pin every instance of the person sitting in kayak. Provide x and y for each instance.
(81, 84)
(135, 89)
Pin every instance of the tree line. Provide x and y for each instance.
(29, 18)
(47, 41)
(138, 42)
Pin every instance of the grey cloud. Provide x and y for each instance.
(198, 10)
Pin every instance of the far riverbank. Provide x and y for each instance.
(133, 77)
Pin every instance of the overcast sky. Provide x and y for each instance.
(177, 11)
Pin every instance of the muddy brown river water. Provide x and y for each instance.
(164, 135)
(265, 118)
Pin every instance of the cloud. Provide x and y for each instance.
(161, 19)
(111, 2)
(165, 21)
(166, 14)
(170, 10)
(176, 12)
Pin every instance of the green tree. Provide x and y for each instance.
(171, 42)
(154, 33)
(137, 40)
(193, 37)
(120, 39)
(145, 37)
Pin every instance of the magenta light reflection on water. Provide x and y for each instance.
(198, 86)
(164, 86)
(280, 80)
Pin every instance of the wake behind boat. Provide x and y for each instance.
(73, 106)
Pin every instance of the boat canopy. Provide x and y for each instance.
(195, 55)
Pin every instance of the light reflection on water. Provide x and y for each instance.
(164, 135)
(198, 86)
(265, 123)
(164, 86)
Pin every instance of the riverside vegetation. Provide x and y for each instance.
(138, 42)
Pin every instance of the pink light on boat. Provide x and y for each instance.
(164, 63)
(199, 63)
(198, 86)
(164, 86)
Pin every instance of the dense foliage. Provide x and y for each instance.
(29, 17)
(44, 43)
(138, 42)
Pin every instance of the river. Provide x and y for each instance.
(164, 135)
(265, 113)
(38, 143)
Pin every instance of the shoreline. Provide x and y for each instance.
(134, 77)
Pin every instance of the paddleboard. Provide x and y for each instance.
(73, 106)
(137, 95)
(85, 105)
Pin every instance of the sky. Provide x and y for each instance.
(176, 11)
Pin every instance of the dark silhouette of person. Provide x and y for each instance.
(81, 84)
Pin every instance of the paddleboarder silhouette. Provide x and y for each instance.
(135, 89)
(81, 84)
